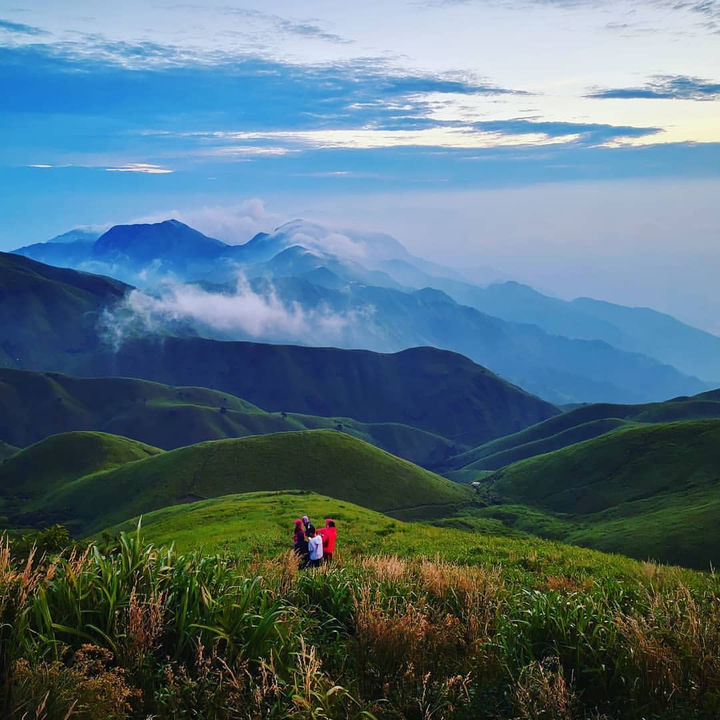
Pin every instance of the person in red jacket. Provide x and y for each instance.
(329, 536)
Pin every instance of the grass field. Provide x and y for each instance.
(411, 622)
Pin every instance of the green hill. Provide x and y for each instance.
(582, 423)
(321, 460)
(30, 474)
(260, 523)
(650, 492)
(34, 405)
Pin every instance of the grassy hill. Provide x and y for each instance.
(410, 621)
(582, 423)
(322, 460)
(260, 524)
(34, 405)
(650, 492)
(30, 474)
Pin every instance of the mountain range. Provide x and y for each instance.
(364, 290)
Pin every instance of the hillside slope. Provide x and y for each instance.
(580, 424)
(321, 460)
(34, 405)
(49, 316)
(435, 390)
(650, 491)
(30, 474)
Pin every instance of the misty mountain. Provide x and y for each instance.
(55, 320)
(305, 283)
(640, 330)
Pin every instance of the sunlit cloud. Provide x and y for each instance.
(370, 139)
(147, 168)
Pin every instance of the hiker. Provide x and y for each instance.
(307, 524)
(329, 536)
(315, 547)
(299, 542)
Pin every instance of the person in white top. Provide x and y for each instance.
(315, 547)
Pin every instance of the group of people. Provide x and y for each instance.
(312, 546)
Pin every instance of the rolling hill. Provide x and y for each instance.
(321, 461)
(649, 492)
(30, 474)
(582, 423)
(35, 405)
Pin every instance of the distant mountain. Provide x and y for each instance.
(649, 492)
(312, 460)
(51, 322)
(385, 319)
(35, 405)
(640, 330)
(77, 235)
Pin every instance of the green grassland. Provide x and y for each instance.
(650, 492)
(582, 423)
(321, 460)
(259, 525)
(35, 405)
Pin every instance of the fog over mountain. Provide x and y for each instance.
(306, 283)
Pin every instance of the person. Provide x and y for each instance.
(329, 536)
(315, 548)
(307, 524)
(300, 545)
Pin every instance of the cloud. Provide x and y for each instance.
(233, 224)
(463, 137)
(146, 168)
(242, 314)
(665, 87)
(21, 28)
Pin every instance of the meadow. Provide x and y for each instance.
(411, 622)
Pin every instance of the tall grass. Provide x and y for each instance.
(136, 631)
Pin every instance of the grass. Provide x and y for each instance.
(649, 491)
(40, 404)
(320, 460)
(509, 629)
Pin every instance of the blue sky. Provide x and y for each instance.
(342, 111)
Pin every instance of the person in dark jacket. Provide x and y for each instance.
(300, 545)
(329, 536)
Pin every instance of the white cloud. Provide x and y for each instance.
(147, 168)
(368, 138)
(242, 314)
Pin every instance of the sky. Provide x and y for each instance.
(570, 144)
